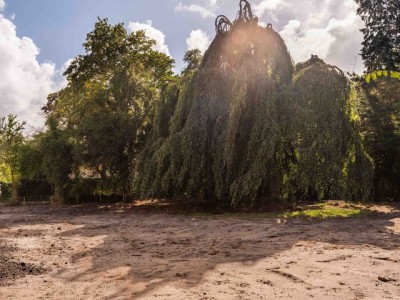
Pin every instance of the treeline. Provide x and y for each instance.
(240, 126)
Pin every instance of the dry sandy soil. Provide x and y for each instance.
(88, 252)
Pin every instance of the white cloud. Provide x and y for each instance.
(345, 51)
(2, 5)
(198, 39)
(194, 8)
(303, 43)
(25, 83)
(206, 10)
(327, 28)
(263, 6)
(151, 33)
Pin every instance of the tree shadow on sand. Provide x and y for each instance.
(159, 249)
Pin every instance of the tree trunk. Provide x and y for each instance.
(14, 192)
(58, 197)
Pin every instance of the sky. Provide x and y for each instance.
(39, 38)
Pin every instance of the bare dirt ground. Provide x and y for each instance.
(118, 252)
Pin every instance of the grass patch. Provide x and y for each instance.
(326, 212)
(322, 210)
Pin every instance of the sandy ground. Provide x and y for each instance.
(50, 252)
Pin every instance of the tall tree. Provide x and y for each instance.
(381, 45)
(242, 131)
(108, 103)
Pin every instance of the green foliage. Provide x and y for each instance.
(214, 118)
(57, 159)
(330, 159)
(192, 59)
(111, 49)
(381, 73)
(241, 126)
(378, 105)
(114, 128)
(381, 34)
(239, 131)
(32, 158)
(107, 108)
(11, 145)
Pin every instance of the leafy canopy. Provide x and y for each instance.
(110, 49)
(381, 45)
(107, 107)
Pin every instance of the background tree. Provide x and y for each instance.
(331, 162)
(377, 102)
(378, 105)
(57, 159)
(381, 45)
(11, 145)
(192, 59)
(34, 185)
(108, 104)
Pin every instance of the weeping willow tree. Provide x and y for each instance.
(330, 159)
(225, 132)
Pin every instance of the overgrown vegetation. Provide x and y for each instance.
(242, 126)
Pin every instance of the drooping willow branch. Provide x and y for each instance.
(244, 15)
(222, 24)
